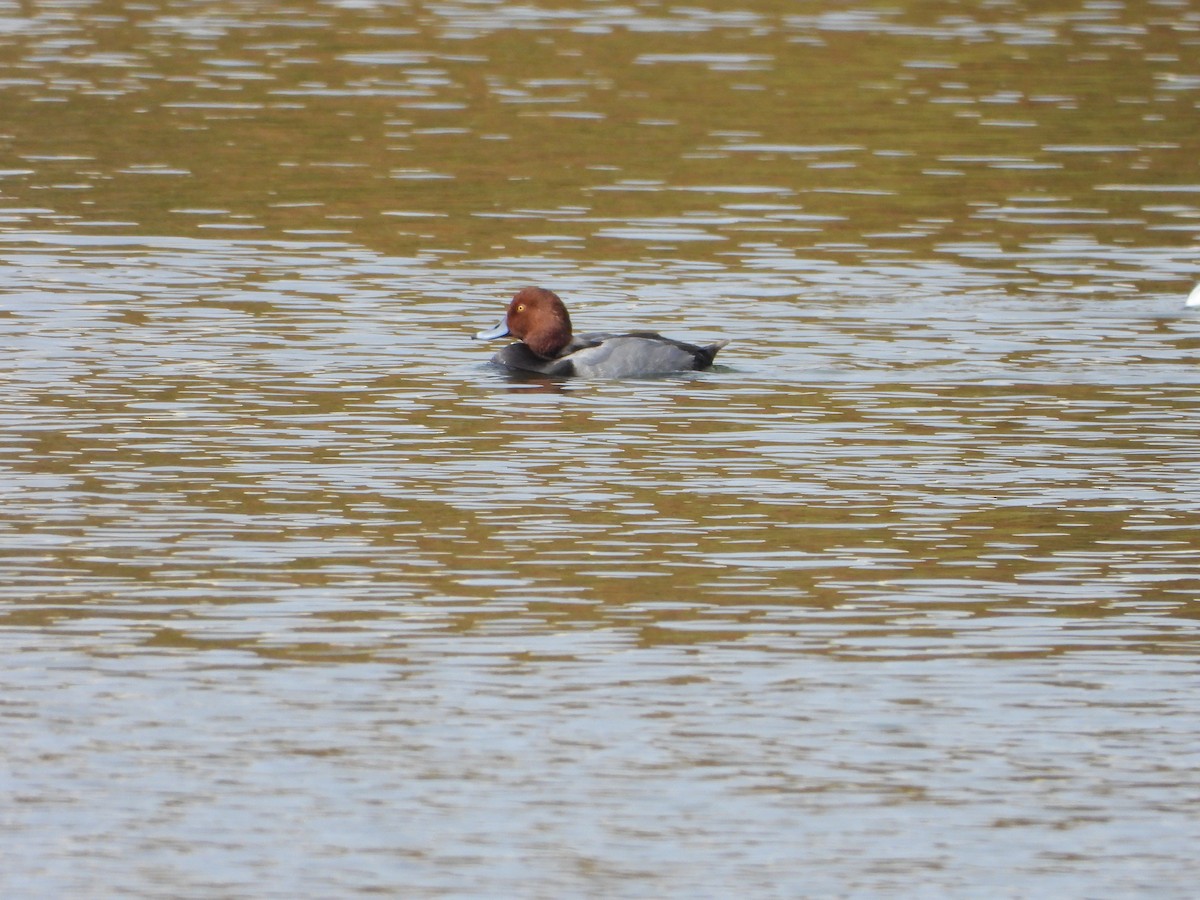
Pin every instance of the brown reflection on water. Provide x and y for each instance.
(296, 591)
(685, 510)
(606, 132)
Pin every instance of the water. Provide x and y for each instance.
(299, 597)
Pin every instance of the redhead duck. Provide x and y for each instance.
(539, 320)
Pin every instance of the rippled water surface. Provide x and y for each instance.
(299, 597)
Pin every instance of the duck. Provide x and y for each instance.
(545, 344)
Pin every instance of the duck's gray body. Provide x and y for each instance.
(602, 355)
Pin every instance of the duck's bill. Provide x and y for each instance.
(500, 330)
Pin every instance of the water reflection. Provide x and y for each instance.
(1012, 456)
(435, 129)
(298, 591)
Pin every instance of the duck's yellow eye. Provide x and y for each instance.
(521, 307)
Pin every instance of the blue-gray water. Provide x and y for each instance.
(299, 597)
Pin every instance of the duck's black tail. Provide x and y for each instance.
(706, 354)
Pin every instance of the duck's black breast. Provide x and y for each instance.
(519, 357)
